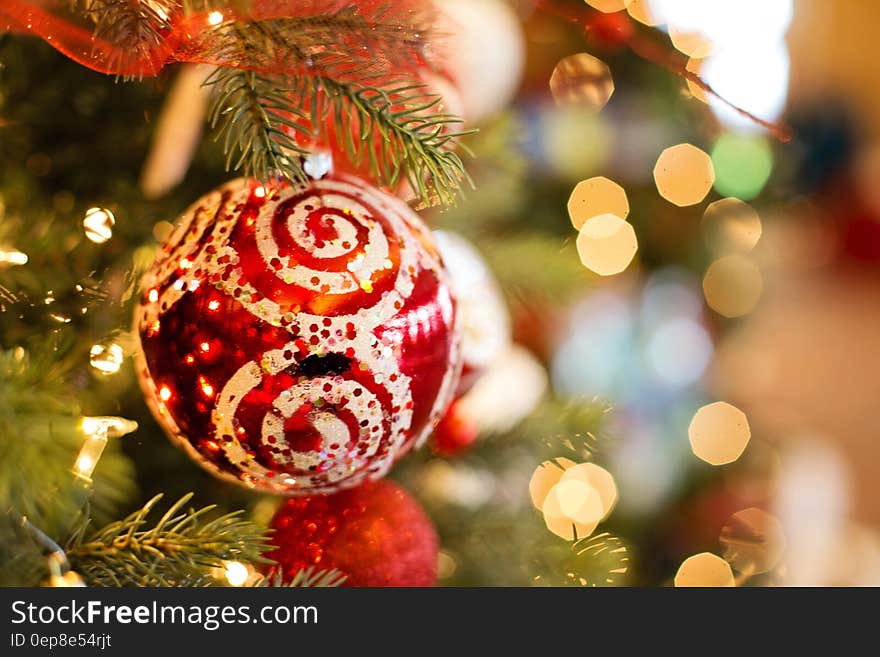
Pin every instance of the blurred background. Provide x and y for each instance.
(677, 210)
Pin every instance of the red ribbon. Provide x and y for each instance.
(189, 38)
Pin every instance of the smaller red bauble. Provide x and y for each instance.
(455, 434)
(375, 535)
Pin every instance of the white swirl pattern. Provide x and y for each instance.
(354, 457)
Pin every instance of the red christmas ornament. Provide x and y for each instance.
(376, 535)
(298, 339)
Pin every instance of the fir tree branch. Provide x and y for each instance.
(344, 44)
(394, 130)
(259, 115)
(180, 549)
(309, 577)
(41, 437)
(250, 113)
(599, 560)
(135, 28)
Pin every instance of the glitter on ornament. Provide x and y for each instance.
(310, 340)
(375, 535)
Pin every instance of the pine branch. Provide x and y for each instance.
(41, 437)
(344, 44)
(570, 428)
(250, 113)
(180, 549)
(393, 130)
(136, 29)
(306, 578)
(259, 115)
(600, 560)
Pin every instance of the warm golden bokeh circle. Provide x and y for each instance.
(599, 479)
(733, 286)
(719, 433)
(596, 196)
(545, 477)
(609, 6)
(582, 80)
(753, 541)
(607, 244)
(684, 174)
(731, 225)
(704, 569)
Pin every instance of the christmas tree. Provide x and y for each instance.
(423, 247)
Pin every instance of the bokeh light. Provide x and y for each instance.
(582, 80)
(754, 77)
(691, 42)
(743, 164)
(579, 501)
(684, 174)
(679, 351)
(642, 11)
(695, 66)
(733, 286)
(731, 225)
(704, 569)
(599, 479)
(561, 524)
(609, 6)
(719, 433)
(545, 477)
(596, 196)
(607, 244)
(575, 141)
(753, 541)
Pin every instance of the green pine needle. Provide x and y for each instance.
(309, 577)
(182, 548)
(250, 113)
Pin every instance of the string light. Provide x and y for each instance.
(215, 18)
(13, 257)
(98, 224)
(98, 430)
(237, 573)
(106, 359)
